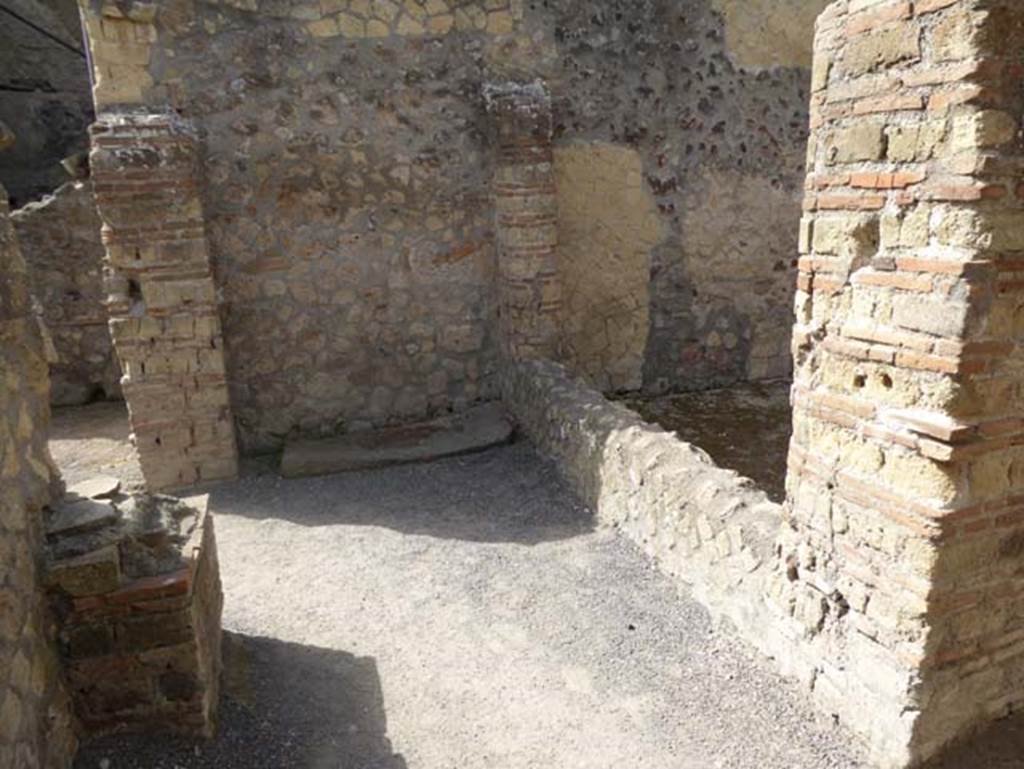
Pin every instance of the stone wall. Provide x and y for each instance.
(347, 201)
(351, 221)
(35, 723)
(703, 524)
(44, 94)
(60, 241)
(812, 606)
(719, 131)
(892, 588)
(608, 223)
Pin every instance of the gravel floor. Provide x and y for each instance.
(92, 440)
(465, 615)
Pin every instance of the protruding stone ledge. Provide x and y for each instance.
(475, 430)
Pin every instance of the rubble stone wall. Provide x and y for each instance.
(703, 524)
(60, 241)
(35, 722)
(349, 200)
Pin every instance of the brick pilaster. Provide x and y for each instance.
(906, 485)
(162, 299)
(529, 294)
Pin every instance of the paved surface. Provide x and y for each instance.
(464, 615)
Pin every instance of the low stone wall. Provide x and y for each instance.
(35, 723)
(136, 584)
(708, 526)
(739, 553)
(60, 240)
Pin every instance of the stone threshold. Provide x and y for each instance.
(477, 429)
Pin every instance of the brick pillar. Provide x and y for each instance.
(162, 299)
(529, 295)
(906, 478)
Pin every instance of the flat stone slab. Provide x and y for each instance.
(76, 516)
(474, 430)
(100, 487)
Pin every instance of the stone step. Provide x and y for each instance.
(474, 430)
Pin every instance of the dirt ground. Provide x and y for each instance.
(465, 614)
(745, 428)
(92, 440)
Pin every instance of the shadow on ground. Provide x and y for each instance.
(283, 705)
(506, 494)
(1000, 746)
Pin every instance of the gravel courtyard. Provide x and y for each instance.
(466, 614)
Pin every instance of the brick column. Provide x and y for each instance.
(529, 295)
(906, 485)
(162, 300)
